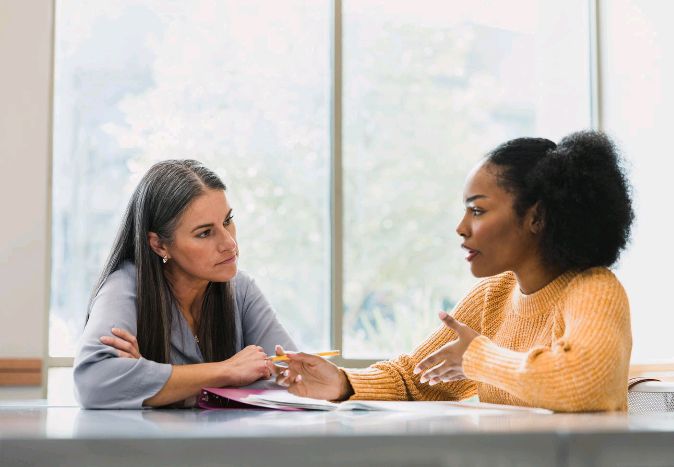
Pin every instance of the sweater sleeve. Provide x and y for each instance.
(585, 369)
(102, 379)
(395, 380)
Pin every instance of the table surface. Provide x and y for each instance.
(261, 437)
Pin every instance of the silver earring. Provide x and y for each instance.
(165, 259)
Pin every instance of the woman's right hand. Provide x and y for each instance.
(247, 366)
(313, 376)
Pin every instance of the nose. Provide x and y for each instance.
(462, 228)
(227, 241)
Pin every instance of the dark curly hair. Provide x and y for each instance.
(583, 194)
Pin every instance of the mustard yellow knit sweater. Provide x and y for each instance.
(565, 347)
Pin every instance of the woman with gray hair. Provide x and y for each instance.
(171, 313)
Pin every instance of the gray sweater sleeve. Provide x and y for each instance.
(102, 379)
(259, 322)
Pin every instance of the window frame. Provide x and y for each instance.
(336, 172)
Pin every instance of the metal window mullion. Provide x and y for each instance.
(336, 201)
(595, 65)
(46, 360)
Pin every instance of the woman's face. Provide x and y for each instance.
(204, 242)
(495, 238)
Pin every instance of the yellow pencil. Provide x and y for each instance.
(329, 353)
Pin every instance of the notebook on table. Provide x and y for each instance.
(279, 399)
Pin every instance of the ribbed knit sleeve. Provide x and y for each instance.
(395, 380)
(585, 369)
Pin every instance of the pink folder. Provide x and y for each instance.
(232, 398)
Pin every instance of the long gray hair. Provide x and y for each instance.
(162, 195)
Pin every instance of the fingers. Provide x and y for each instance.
(282, 378)
(255, 357)
(253, 349)
(446, 379)
(123, 341)
(277, 369)
(304, 358)
(440, 373)
(297, 387)
(126, 335)
(288, 377)
(254, 352)
(279, 350)
(121, 344)
(270, 369)
(293, 373)
(432, 360)
(450, 322)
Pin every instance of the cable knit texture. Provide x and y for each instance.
(565, 347)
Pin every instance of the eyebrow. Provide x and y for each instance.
(473, 198)
(229, 213)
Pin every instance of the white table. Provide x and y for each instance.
(32, 433)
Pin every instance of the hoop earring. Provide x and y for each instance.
(165, 259)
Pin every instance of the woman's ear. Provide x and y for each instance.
(535, 220)
(157, 244)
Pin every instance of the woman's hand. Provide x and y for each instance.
(247, 366)
(446, 364)
(313, 376)
(125, 343)
(279, 368)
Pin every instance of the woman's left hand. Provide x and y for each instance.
(125, 343)
(446, 364)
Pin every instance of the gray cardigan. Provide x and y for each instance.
(105, 381)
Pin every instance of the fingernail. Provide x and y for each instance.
(285, 373)
(423, 379)
(442, 315)
(104, 339)
(432, 382)
(298, 379)
(115, 329)
(417, 370)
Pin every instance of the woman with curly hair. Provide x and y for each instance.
(549, 324)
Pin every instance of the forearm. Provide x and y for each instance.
(566, 377)
(187, 380)
(395, 380)
(584, 369)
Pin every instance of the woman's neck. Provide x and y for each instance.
(188, 292)
(533, 276)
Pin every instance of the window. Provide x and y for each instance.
(638, 69)
(426, 88)
(429, 87)
(223, 82)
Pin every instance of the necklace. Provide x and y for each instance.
(196, 339)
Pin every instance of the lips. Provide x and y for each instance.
(470, 253)
(229, 260)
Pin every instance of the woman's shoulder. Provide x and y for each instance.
(243, 284)
(594, 289)
(242, 280)
(117, 294)
(596, 278)
(121, 279)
